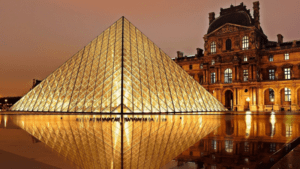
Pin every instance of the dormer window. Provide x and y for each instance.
(228, 44)
(286, 56)
(213, 62)
(271, 59)
(245, 58)
(245, 43)
(213, 48)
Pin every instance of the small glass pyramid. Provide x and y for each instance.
(120, 71)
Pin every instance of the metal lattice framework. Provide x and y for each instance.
(120, 71)
(102, 141)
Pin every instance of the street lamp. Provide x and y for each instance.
(272, 100)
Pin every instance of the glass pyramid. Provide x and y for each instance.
(120, 71)
(102, 141)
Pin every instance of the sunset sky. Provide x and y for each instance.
(37, 36)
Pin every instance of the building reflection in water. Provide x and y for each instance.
(140, 141)
(242, 141)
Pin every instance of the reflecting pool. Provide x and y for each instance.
(199, 140)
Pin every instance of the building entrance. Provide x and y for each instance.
(229, 99)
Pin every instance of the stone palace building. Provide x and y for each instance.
(241, 67)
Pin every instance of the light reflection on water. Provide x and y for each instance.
(152, 141)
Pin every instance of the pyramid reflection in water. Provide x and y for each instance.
(120, 71)
(98, 141)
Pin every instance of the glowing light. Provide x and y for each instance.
(248, 119)
(272, 121)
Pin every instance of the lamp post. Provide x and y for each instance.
(248, 100)
(272, 100)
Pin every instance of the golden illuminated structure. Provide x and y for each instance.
(121, 70)
(104, 141)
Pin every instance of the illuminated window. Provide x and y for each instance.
(271, 59)
(271, 94)
(287, 94)
(228, 146)
(213, 48)
(213, 166)
(228, 76)
(245, 74)
(191, 67)
(271, 74)
(286, 56)
(287, 73)
(245, 58)
(214, 144)
(288, 131)
(228, 44)
(201, 66)
(213, 62)
(272, 147)
(245, 43)
(213, 78)
(246, 147)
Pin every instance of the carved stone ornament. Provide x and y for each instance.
(236, 58)
(220, 43)
(206, 46)
(228, 29)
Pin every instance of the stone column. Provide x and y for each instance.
(237, 73)
(253, 106)
(254, 76)
(204, 76)
(233, 74)
(277, 103)
(294, 99)
(250, 73)
(260, 98)
(219, 75)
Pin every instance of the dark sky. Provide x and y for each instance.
(37, 36)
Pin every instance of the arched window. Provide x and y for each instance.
(228, 44)
(228, 76)
(213, 48)
(245, 43)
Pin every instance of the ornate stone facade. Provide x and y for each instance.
(246, 69)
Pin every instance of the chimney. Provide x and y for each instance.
(179, 54)
(280, 39)
(211, 17)
(256, 14)
(199, 52)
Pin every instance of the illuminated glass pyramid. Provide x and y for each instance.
(101, 141)
(120, 71)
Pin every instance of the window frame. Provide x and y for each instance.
(213, 47)
(213, 62)
(245, 75)
(228, 45)
(287, 73)
(271, 94)
(213, 77)
(245, 58)
(245, 43)
(214, 144)
(287, 94)
(286, 56)
(191, 67)
(228, 76)
(271, 58)
(271, 74)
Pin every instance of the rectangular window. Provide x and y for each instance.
(287, 94)
(272, 147)
(214, 144)
(287, 73)
(191, 67)
(286, 56)
(288, 131)
(246, 147)
(271, 94)
(245, 73)
(245, 58)
(213, 78)
(271, 59)
(271, 74)
(228, 146)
